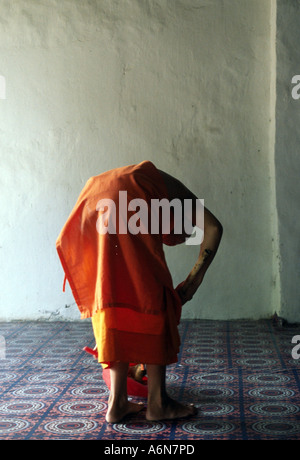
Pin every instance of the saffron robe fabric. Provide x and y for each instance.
(121, 280)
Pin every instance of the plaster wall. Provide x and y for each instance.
(98, 84)
(287, 156)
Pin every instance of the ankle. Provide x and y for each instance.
(117, 401)
(159, 399)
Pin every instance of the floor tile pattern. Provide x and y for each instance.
(241, 375)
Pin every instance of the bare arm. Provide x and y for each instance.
(212, 236)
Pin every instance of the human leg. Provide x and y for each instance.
(160, 405)
(118, 404)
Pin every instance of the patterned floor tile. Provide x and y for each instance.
(240, 375)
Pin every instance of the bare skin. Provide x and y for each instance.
(212, 236)
(118, 404)
(160, 406)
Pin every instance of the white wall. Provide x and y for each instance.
(99, 84)
(287, 156)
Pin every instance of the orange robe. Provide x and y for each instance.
(119, 280)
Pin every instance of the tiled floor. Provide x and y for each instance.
(240, 374)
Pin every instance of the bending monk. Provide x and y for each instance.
(111, 250)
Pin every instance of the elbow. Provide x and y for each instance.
(212, 224)
(220, 228)
(217, 229)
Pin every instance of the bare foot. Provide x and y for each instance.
(137, 372)
(169, 410)
(117, 411)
